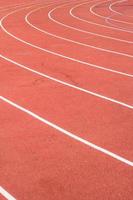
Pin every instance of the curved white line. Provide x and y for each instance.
(96, 24)
(57, 54)
(103, 17)
(114, 3)
(3, 192)
(87, 91)
(67, 84)
(105, 151)
(70, 40)
(109, 20)
(119, 13)
(64, 83)
(60, 23)
(69, 134)
(121, 21)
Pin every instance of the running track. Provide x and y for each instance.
(66, 100)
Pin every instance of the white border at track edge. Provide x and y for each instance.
(67, 133)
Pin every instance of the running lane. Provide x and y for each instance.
(113, 85)
(71, 109)
(39, 162)
(102, 10)
(83, 13)
(57, 27)
(67, 48)
(117, 14)
(124, 8)
(28, 53)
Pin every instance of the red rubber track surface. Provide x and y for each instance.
(83, 12)
(61, 62)
(124, 8)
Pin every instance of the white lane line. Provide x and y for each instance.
(83, 44)
(58, 54)
(69, 134)
(103, 17)
(118, 2)
(96, 24)
(109, 20)
(113, 4)
(121, 21)
(66, 39)
(5, 194)
(69, 85)
(114, 15)
(104, 36)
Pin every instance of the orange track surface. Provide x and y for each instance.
(78, 76)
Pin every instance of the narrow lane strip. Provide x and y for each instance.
(69, 134)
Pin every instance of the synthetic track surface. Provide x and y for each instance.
(66, 100)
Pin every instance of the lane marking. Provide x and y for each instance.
(70, 40)
(96, 24)
(119, 13)
(69, 134)
(100, 16)
(113, 5)
(5, 194)
(58, 54)
(121, 21)
(77, 29)
(109, 20)
(68, 84)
